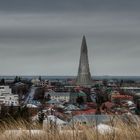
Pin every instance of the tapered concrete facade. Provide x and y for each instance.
(84, 76)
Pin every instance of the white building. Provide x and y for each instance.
(37, 82)
(59, 96)
(44, 83)
(6, 96)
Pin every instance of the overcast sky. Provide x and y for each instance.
(43, 37)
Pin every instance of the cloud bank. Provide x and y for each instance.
(44, 37)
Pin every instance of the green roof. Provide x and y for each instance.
(78, 94)
(81, 94)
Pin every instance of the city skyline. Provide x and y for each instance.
(44, 37)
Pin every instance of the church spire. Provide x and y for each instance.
(84, 44)
(84, 76)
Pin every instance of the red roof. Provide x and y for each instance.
(122, 96)
(109, 104)
(91, 104)
(85, 112)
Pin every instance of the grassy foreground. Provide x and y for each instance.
(21, 130)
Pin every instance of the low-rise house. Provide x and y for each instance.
(59, 96)
(44, 83)
(74, 96)
(119, 98)
(85, 112)
(71, 107)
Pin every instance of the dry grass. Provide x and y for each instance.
(19, 130)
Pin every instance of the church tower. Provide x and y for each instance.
(84, 76)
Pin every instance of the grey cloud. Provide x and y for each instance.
(68, 5)
(44, 37)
